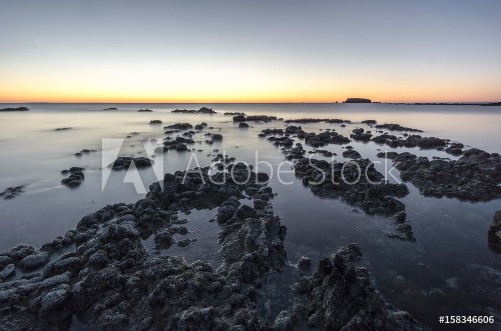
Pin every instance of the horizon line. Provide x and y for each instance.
(241, 102)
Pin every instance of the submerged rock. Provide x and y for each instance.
(179, 126)
(74, 180)
(123, 163)
(338, 296)
(317, 120)
(357, 182)
(202, 110)
(63, 129)
(7, 271)
(12, 192)
(494, 235)
(325, 138)
(396, 127)
(351, 154)
(110, 281)
(217, 137)
(15, 109)
(254, 118)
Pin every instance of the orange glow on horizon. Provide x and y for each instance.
(67, 95)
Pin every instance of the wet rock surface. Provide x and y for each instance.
(411, 141)
(102, 274)
(63, 129)
(123, 163)
(494, 235)
(14, 109)
(12, 192)
(359, 134)
(85, 151)
(317, 120)
(475, 176)
(325, 138)
(202, 110)
(351, 154)
(394, 127)
(179, 126)
(74, 180)
(357, 182)
(254, 118)
(338, 296)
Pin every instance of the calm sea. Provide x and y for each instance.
(449, 270)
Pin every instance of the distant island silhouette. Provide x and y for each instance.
(358, 100)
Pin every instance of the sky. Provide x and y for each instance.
(250, 51)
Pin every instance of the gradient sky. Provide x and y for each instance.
(249, 51)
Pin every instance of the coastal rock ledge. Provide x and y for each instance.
(101, 274)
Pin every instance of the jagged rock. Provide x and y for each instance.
(476, 176)
(74, 180)
(351, 154)
(254, 118)
(123, 163)
(12, 192)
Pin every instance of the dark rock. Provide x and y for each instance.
(74, 180)
(475, 176)
(304, 263)
(494, 236)
(243, 125)
(183, 243)
(179, 126)
(396, 127)
(356, 182)
(317, 120)
(123, 163)
(254, 118)
(12, 192)
(325, 138)
(63, 129)
(15, 109)
(217, 137)
(163, 239)
(111, 282)
(7, 271)
(338, 296)
(34, 261)
(200, 126)
(203, 110)
(357, 100)
(154, 122)
(351, 154)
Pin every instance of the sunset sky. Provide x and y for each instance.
(250, 51)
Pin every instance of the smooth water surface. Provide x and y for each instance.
(449, 270)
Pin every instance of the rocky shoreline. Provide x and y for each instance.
(101, 274)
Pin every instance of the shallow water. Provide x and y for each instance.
(445, 272)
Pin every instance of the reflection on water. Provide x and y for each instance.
(448, 271)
